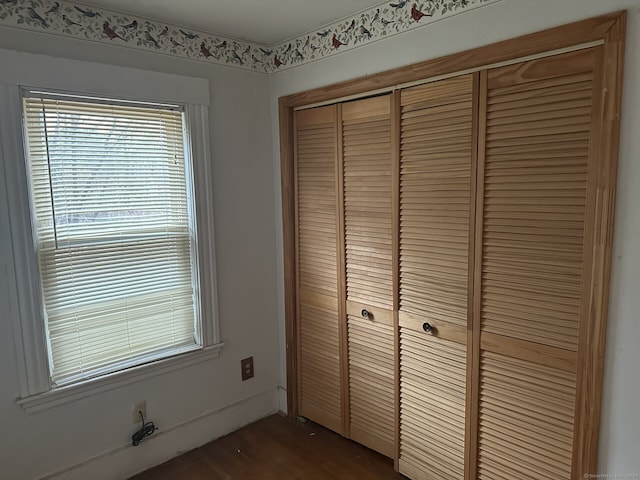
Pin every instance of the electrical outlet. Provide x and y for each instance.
(247, 368)
(137, 408)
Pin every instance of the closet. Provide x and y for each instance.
(452, 244)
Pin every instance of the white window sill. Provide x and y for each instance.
(62, 395)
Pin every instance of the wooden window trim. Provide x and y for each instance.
(608, 29)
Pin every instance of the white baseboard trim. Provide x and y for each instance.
(125, 461)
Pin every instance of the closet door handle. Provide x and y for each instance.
(426, 326)
(365, 313)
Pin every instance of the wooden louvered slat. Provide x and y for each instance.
(432, 406)
(319, 365)
(537, 127)
(371, 384)
(447, 92)
(366, 144)
(435, 169)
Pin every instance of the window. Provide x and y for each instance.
(23, 79)
(115, 232)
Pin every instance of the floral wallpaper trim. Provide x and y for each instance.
(381, 21)
(89, 23)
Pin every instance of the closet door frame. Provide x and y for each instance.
(606, 30)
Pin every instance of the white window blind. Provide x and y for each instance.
(114, 222)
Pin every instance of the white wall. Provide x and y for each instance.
(94, 432)
(620, 431)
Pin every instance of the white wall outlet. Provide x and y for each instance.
(140, 406)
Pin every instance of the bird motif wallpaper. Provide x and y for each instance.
(89, 23)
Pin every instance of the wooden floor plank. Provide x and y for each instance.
(277, 448)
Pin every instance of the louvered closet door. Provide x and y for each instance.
(436, 199)
(533, 220)
(366, 144)
(319, 378)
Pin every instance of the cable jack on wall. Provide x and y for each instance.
(146, 429)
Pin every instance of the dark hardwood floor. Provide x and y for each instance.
(277, 448)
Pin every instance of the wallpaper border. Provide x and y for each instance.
(77, 20)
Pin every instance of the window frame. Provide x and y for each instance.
(26, 311)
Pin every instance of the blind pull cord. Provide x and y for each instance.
(53, 207)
